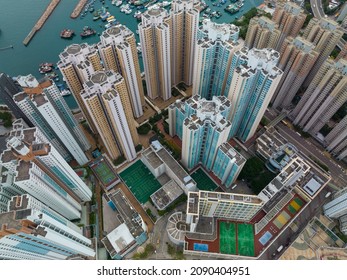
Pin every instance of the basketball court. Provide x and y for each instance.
(245, 239)
(281, 219)
(227, 238)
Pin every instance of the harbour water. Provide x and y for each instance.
(18, 17)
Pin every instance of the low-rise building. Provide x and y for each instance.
(131, 230)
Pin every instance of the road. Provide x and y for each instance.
(318, 12)
(288, 236)
(309, 149)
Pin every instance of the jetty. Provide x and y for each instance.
(78, 9)
(48, 11)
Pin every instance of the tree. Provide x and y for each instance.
(6, 117)
(144, 129)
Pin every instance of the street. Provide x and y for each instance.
(306, 147)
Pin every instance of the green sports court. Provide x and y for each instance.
(103, 171)
(231, 234)
(204, 183)
(245, 240)
(227, 238)
(140, 181)
(295, 205)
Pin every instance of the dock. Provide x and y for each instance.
(78, 9)
(48, 11)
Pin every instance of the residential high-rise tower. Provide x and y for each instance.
(325, 95)
(251, 90)
(106, 98)
(47, 109)
(155, 37)
(118, 52)
(297, 59)
(325, 34)
(214, 60)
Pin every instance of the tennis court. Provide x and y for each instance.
(227, 238)
(104, 171)
(140, 181)
(204, 183)
(281, 219)
(245, 239)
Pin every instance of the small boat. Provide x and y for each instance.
(45, 69)
(67, 33)
(65, 92)
(118, 3)
(87, 31)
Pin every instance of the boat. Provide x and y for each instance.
(52, 75)
(45, 69)
(67, 33)
(128, 11)
(87, 31)
(137, 14)
(118, 3)
(105, 15)
(65, 92)
(139, 50)
(232, 9)
(166, 3)
(49, 64)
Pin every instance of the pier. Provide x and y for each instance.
(78, 9)
(48, 11)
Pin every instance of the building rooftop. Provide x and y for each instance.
(128, 213)
(176, 168)
(73, 49)
(152, 158)
(163, 197)
(23, 170)
(232, 153)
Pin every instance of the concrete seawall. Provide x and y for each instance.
(78, 9)
(48, 11)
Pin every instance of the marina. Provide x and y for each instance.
(47, 44)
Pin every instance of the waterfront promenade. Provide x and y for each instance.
(48, 11)
(78, 9)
